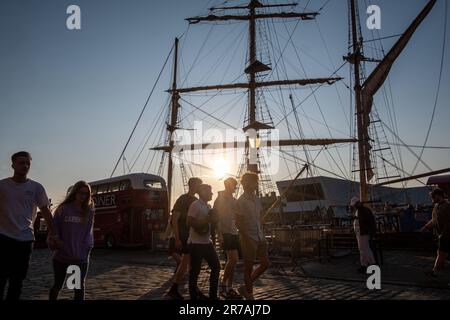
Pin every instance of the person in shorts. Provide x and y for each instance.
(226, 208)
(253, 243)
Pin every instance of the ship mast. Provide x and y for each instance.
(365, 92)
(253, 126)
(356, 58)
(252, 61)
(172, 126)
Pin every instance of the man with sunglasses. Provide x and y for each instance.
(19, 199)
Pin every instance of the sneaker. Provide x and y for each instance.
(232, 294)
(174, 295)
(243, 292)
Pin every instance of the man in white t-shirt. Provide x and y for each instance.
(199, 219)
(19, 199)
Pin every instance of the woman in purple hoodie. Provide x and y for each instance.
(73, 221)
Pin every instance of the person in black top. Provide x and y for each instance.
(365, 229)
(181, 233)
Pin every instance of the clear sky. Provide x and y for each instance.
(71, 98)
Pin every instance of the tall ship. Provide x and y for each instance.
(246, 96)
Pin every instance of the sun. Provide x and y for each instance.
(220, 168)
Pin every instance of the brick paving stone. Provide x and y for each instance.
(137, 275)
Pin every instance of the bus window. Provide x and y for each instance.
(113, 187)
(153, 184)
(103, 188)
(125, 185)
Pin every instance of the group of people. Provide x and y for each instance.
(193, 225)
(70, 230)
(238, 225)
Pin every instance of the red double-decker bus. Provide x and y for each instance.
(129, 210)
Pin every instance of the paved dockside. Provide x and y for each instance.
(141, 274)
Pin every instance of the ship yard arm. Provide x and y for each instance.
(233, 86)
(269, 143)
(254, 4)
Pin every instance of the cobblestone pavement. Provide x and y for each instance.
(139, 274)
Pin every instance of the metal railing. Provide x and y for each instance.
(291, 246)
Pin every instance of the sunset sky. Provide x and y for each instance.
(71, 98)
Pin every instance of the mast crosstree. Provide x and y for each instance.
(252, 126)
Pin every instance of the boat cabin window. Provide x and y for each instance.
(308, 192)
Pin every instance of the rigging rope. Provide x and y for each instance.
(307, 97)
(405, 145)
(142, 112)
(148, 135)
(438, 88)
(147, 140)
(212, 97)
(324, 5)
(313, 164)
(208, 114)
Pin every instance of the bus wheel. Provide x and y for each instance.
(110, 241)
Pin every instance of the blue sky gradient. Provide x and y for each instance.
(72, 97)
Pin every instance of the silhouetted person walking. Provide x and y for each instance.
(441, 222)
(365, 229)
(19, 199)
(226, 208)
(181, 234)
(249, 221)
(199, 219)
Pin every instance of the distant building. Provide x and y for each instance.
(331, 196)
